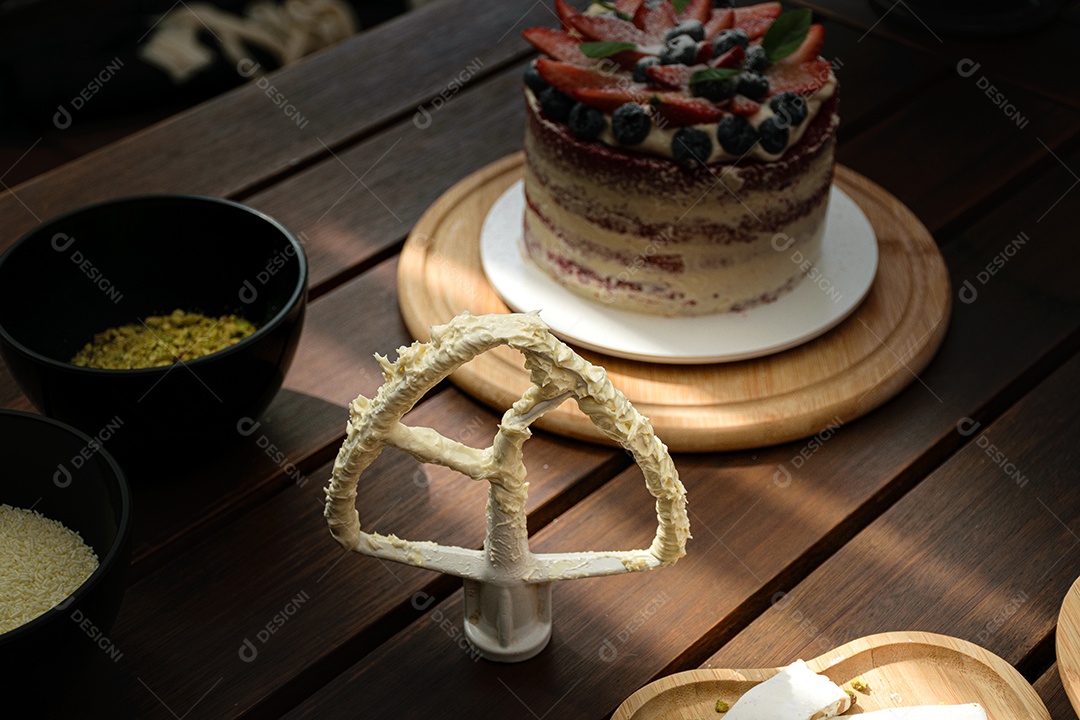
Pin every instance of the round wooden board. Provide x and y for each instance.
(1068, 644)
(899, 669)
(847, 372)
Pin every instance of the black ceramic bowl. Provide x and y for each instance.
(121, 261)
(54, 469)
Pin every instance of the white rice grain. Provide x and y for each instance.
(41, 563)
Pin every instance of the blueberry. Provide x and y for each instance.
(727, 40)
(691, 146)
(791, 107)
(631, 124)
(756, 59)
(680, 50)
(774, 135)
(692, 28)
(753, 85)
(534, 81)
(554, 104)
(736, 135)
(585, 122)
(639, 69)
(716, 90)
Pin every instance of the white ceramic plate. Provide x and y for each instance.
(845, 273)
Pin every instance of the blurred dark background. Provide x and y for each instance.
(53, 51)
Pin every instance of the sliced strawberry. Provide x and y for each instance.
(567, 78)
(655, 20)
(627, 59)
(721, 19)
(810, 48)
(627, 6)
(697, 10)
(607, 29)
(803, 79)
(675, 77)
(744, 106)
(704, 53)
(566, 13)
(611, 99)
(756, 19)
(558, 44)
(733, 58)
(677, 110)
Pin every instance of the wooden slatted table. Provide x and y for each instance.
(900, 520)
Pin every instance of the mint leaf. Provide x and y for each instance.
(711, 74)
(786, 34)
(605, 49)
(679, 5)
(618, 13)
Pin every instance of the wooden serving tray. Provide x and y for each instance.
(852, 369)
(900, 668)
(1068, 644)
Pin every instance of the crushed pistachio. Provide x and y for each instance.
(162, 340)
(860, 685)
(722, 707)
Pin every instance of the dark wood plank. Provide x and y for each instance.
(755, 534)
(1026, 59)
(950, 151)
(1053, 695)
(181, 629)
(244, 137)
(984, 549)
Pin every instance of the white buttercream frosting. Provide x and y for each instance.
(557, 373)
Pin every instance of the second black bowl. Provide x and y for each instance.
(121, 261)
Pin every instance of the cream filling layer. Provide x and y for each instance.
(727, 204)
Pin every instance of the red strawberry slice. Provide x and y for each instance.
(558, 44)
(627, 59)
(611, 99)
(731, 59)
(744, 106)
(803, 79)
(675, 77)
(566, 13)
(655, 20)
(756, 19)
(677, 110)
(704, 53)
(810, 48)
(721, 19)
(607, 29)
(567, 78)
(627, 6)
(697, 10)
